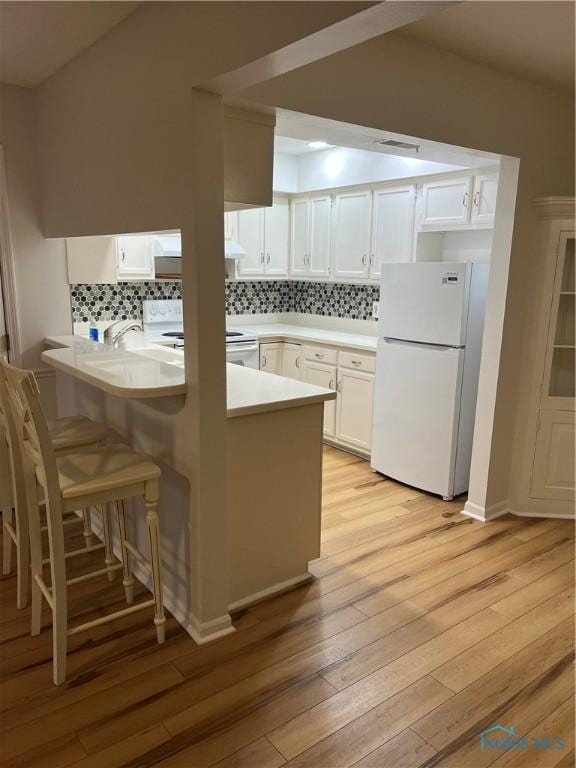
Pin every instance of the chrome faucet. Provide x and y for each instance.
(114, 338)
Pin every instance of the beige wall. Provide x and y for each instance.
(40, 265)
(397, 84)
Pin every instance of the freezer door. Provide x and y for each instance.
(416, 411)
(425, 302)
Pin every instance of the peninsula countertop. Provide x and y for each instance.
(143, 369)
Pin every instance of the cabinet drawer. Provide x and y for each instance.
(321, 354)
(358, 362)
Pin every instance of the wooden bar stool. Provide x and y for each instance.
(70, 433)
(92, 477)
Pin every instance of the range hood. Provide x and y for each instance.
(167, 252)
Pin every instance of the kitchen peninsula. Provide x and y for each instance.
(274, 435)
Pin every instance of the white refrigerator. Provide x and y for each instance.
(427, 364)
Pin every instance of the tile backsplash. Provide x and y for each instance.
(124, 300)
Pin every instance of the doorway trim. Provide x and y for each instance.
(7, 270)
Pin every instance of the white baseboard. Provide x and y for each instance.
(203, 632)
(547, 515)
(276, 589)
(486, 514)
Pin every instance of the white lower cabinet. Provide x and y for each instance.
(553, 474)
(271, 357)
(292, 361)
(323, 375)
(354, 408)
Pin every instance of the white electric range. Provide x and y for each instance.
(163, 323)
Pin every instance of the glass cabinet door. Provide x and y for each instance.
(559, 390)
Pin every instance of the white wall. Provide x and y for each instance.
(342, 167)
(285, 173)
(43, 297)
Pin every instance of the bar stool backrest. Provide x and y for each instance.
(29, 429)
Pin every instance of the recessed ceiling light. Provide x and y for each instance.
(318, 144)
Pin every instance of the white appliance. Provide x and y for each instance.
(427, 364)
(163, 323)
(167, 252)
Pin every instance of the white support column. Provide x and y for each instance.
(481, 504)
(205, 357)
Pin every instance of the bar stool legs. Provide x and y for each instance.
(87, 518)
(151, 497)
(128, 580)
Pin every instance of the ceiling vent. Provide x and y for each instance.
(398, 144)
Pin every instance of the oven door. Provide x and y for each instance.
(244, 353)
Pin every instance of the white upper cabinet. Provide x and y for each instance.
(299, 236)
(319, 235)
(134, 257)
(263, 233)
(251, 238)
(92, 260)
(310, 236)
(446, 203)
(276, 220)
(392, 226)
(231, 225)
(484, 199)
(351, 234)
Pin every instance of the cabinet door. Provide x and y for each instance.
(292, 361)
(319, 229)
(271, 358)
(392, 226)
(299, 236)
(553, 472)
(354, 412)
(276, 237)
(352, 234)
(134, 254)
(323, 376)
(484, 199)
(231, 225)
(251, 238)
(446, 203)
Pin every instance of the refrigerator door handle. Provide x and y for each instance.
(407, 343)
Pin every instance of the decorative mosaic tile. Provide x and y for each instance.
(124, 300)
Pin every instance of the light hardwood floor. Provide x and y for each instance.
(422, 629)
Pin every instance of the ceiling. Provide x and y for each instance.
(532, 39)
(37, 38)
(289, 146)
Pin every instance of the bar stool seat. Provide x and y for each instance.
(94, 470)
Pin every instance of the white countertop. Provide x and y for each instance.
(143, 369)
(303, 333)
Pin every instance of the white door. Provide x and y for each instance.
(392, 226)
(271, 358)
(299, 237)
(323, 376)
(276, 220)
(553, 474)
(231, 225)
(319, 236)
(416, 409)
(354, 410)
(484, 199)
(292, 361)
(251, 238)
(446, 203)
(351, 233)
(134, 255)
(424, 302)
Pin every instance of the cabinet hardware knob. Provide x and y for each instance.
(356, 362)
(465, 200)
(331, 384)
(297, 362)
(267, 258)
(318, 355)
(476, 202)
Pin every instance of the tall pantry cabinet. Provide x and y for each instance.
(551, 482)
